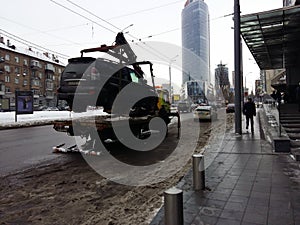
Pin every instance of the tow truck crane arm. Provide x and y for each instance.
(114, 51)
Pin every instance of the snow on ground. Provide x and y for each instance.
(7, 119)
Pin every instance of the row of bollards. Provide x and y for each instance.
(173, 197)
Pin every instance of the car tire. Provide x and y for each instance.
(79, 108)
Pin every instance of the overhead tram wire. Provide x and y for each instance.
(164, 32)
(138, 39)
(82, 16)
(175, 29)
(93, 14)
(150, 36)
(39, 31)
(58, 29)
(145, 10)
(65, 7)
(89, 12)
(25, 42)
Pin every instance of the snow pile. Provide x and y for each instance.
(7, 119)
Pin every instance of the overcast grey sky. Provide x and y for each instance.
(46, 23)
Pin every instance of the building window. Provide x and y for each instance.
(2, 87)
(17, 80)
(40, 75)
(17, 59)
(7, 57)
(17, 70)
(24, 72)
(59, 70)
(7, 68)
(50, 76)
(7, 79)
(25, 62)
(49, 85)
(35, 63)
(25, 83)
(7, 89)
(35, 83)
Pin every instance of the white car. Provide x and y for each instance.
(205, 112)
(173, 108)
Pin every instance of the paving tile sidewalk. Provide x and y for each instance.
(247, 183)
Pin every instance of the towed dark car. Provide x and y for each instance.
(98, 82)
(71, 77)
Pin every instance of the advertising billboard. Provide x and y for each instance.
(24, 102)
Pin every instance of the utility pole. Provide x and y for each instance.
(170, 77)
(237, 68)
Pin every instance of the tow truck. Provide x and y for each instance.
(82, 75)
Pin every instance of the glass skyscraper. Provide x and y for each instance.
(195, 37)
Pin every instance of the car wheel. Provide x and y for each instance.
(79, 108)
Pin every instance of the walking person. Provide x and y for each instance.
(249, 111)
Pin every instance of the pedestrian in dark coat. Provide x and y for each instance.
(249, 110)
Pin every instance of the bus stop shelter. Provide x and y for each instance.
(273, 38)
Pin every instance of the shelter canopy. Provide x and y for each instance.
(273, 37)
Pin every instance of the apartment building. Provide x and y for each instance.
(26, 69)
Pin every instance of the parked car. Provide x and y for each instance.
(174, 108)
(184, 107)
(194, 106)
(51, 109)
(259, 104)
(40, 108)
(205, 112)
(230, 108)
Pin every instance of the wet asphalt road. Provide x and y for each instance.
(25, 147)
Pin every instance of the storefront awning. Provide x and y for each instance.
(273, 37)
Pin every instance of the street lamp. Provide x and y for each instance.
(245, 85)
(126, 27)
(170, 83)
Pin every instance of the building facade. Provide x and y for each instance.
(195, 38)
(28, 70)
(221, 75)
(222, 84)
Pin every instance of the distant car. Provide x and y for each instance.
(63, 108)
(205, 112)
(174, 108)
(230, 108)
(41, 108)
(259, 104)
(184, 107)
(51, 109)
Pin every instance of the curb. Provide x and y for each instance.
(26, 124)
